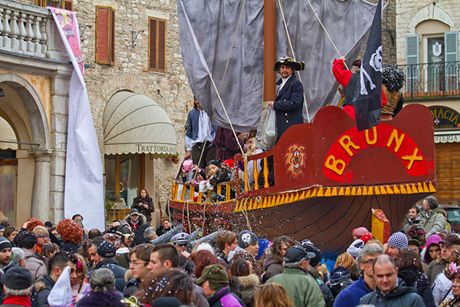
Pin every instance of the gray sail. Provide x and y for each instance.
(224, 39)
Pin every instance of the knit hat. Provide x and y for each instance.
(216, 276)
(312, 249)
(264, 245)
(180, 239)
(4, 243)
(297, 253)
(398, 240)
(246, 238)
(106, 249)
(187, 165)
(355, 248)
(70, 231)
(18, 278)
(360, 231)
(40, 231)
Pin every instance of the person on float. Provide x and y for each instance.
(349, 80)
(288, 104)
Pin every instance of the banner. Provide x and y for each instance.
(368, 104)
(84, 191)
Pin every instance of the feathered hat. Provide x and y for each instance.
(288, 61)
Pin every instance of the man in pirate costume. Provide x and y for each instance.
(392, 82)
(288, 104)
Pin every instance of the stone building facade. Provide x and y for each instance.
(427, 45)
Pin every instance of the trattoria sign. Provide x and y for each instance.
(351, 142)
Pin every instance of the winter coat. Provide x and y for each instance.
(101, 299)
(433, 221)
(442, 289)
(401, 295)
(272, 266)
(70, 247)
(117, 270)
(351, 295)
(42, 289)
(301, 287)
(434, 269)
(288, 105)
(35, 264)
(16, 301)
(413, 277)
(408, 223)
(451, 302)
(198, 297)
(224, 298)
(339, 280)
(139, 230)
(327, 293)
(138, 203)
(247, 288)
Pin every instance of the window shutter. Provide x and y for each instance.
(105, 25)
(451, 58)
(157, 44)
(412, 61)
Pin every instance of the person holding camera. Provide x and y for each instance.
(144, 204)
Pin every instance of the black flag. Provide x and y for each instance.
(369, 92)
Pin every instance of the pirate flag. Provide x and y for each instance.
(369, 91)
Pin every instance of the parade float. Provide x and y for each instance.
(328, 176)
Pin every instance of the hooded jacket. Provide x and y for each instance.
(272, 266)
(42, 290)
(401, 295)
(433, 221)
(413, 277)
(35, 264)
(301, 287)
(117, 270)
(247, 288)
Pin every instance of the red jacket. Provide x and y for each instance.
(343, 76)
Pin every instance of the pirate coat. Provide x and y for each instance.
(288, 105)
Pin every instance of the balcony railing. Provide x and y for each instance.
(29, 30)
(432, 80)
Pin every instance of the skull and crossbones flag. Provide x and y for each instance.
(369, 92)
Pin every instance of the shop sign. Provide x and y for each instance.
(444, 117)
(452, 138)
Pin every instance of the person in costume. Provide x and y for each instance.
(288, 104)
(349, 80)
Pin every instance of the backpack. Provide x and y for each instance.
(338, 282)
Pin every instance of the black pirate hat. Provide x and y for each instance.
(289, 62)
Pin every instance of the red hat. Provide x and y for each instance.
(230, 163)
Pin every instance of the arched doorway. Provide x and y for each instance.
(24, 155)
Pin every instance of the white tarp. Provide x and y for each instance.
(84, 190)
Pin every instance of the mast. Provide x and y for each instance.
(269, 50)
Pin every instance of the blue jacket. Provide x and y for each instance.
(192, 125)
(116, 269)
(288, 105)
(350, 296)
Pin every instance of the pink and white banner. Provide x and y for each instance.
(84, 190)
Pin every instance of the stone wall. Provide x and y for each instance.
(409, 13)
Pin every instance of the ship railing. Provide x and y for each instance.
(184, 192)
(255, 167)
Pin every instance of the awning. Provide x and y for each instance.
(8, 138)
(134, 123)
(447, 136)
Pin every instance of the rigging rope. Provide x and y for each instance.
(324, 28)
(293, 54)
(203, 61)
(233, 44)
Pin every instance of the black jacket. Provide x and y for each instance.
(415, 278)
(138, 203)
(42, 289)
(402, 295)
(117, 270)
(288, 105)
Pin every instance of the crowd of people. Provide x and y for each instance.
(132, 264)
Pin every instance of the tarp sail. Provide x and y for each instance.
(226, 38)
(346, 22)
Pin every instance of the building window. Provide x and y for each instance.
(105, 35)
(66, 4)
(157, 44)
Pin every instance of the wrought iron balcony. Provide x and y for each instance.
(429, 80)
